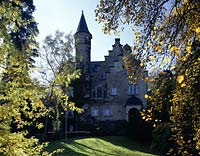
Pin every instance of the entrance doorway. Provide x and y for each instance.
(134, 117)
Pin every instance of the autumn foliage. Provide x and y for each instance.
(167, 37)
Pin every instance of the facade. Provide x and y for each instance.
(105, 84)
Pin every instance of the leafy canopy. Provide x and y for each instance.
(20, 96)
(164, 29)
(167, 36)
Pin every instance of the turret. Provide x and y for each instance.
(83, 46)
(83, 61)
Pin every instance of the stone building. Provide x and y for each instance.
(104, 83)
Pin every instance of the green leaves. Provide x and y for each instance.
(168, 35)
(20, 96)
(59, 63)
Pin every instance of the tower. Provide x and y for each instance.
(83, 47)
(83, 58)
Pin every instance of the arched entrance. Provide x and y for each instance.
(134, 117)
(132, 106)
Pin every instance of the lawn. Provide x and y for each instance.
(102, 146)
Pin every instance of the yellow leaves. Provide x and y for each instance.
(152, 58)
(149, 110)
(146, 79)
(148, 119)
(17, 2)
(180, 78)
(183, 58)
(173, 67)
(137, 33)
(142, 64)
(175, 50)
(149, 44)
(146, 96)
(40, 125)
(197, 30)
(189, 49)
(183, 85)
(167, 59)
(158, 48)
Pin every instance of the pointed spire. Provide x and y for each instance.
(82, 27)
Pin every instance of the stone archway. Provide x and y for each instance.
(134, 117)
(132, 106)
(129, 108)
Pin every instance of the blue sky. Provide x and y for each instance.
(64, 15)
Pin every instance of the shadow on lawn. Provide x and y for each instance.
(74, 148)
(67, 151)
(129, 144)
(84, 148)
(75, 145)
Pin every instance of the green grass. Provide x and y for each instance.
(103, 146)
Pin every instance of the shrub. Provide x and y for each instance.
(161, 135)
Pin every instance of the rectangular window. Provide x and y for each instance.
(95, 112)
(113, 91)
(107, 112)
(95, 68)
(104, 93)
(99, 92)
(94, 94)
(133, 89)
(102, 76)
(118, 67)
(129, 89)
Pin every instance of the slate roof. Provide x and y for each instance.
(82, 26)
(127, 47)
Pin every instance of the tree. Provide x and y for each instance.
(164, 29)
(165, 34)
(185, 109)
(158, 113)
(58, 72)
(20, 96)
